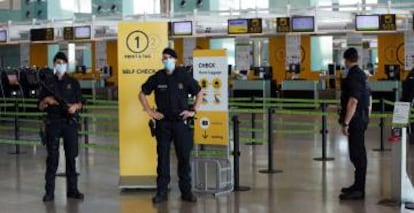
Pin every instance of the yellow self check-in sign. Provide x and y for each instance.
(210, 70)
(139, 56)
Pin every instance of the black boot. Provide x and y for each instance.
(75, 195)
(48, 197)
(348, 189)
(189, 197)
(160, 197)
(353, 195)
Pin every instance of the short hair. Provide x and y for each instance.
(170, 52)
(62, 56)
(351, 54)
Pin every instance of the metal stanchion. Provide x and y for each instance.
(270, 169)
(324, 133)
(236, 156)
(253, 124)
(17, 150)
(85, 126)
(381, 125)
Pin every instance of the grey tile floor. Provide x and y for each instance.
(304, 186)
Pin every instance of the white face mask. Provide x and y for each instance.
(61, 68)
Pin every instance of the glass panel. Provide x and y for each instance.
(83, 6)
(149, 7)
(243, 4)
(321, 52)
(225, 43)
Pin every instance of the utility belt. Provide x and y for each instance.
(73, 120)
(152, 124)
(173, 117)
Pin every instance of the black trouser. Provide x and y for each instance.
(181, 135)
(55, 129)
(358, 155)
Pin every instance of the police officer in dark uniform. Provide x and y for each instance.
(408, 88)
(61, 98)
(172, 86)
(354, 117)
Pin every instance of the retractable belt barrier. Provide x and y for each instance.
(253, 106)
(15, 110)
(299, 107)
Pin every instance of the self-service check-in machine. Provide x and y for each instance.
(29, 80)
(402, 190)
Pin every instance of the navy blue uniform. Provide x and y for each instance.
(171, 97)
(355, 86)
(60, 124)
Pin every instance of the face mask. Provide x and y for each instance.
(169, 65)
(346, 71)
(61, 68)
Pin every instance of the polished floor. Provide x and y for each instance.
(304, 186)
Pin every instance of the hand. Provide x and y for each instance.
(73, 108)
(155, 115)
(49, 100)
(345, 130)
(43, 106)
(187, 114)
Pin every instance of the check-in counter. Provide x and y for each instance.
(251, 88)
(301, 89)
(388, 90)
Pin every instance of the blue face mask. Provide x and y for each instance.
(169, 64)
(61, 68)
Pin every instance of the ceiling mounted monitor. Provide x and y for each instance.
(42, 34)
(367, 23)
(388, 22)
(182, 28)
(68, 33)
(303, 24)
(244, 26)
(82, 32)
(283, 25)
(237, 26)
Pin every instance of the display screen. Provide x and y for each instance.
(388, 22)
(83, 32)
(241, 26)
(303, 24)
(367, 23)
(42, 34)
(3, 36)
(182, 28)
(283, 25)
(68, 33)
(237, 26)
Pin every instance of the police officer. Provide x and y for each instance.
(408, 88)
(355, 101)
(172, 86)
(61, 98)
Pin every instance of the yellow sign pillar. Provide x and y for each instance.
(210, 70)
(140, 48)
